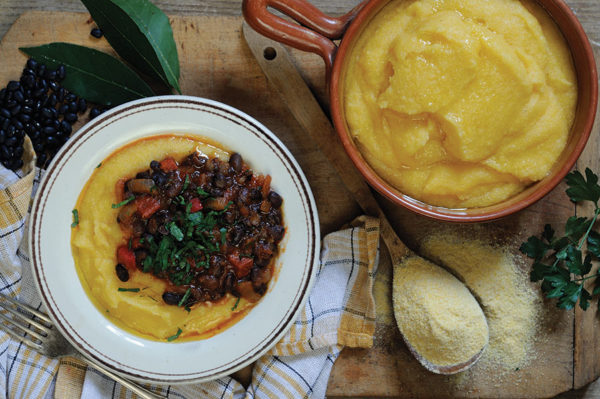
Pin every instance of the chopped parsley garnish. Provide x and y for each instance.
(174, 337)
(223, 232)
(236, 304)
(185, 297)
(202, 192)
(186, 183)
(75, 218)
(129, 289)
(175, 231)
(100, 164)
(124, 202)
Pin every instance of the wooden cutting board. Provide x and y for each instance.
(216, 63)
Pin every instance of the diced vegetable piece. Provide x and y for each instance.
(147, 206)
(196, 205)
(126, 257)
(141, 186)
(168, 165)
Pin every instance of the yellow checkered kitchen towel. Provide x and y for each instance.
(339, 312)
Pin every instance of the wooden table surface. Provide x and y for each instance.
(588, 12)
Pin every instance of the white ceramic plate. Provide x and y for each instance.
(71, 309)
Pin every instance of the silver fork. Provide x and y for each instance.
(43, 337)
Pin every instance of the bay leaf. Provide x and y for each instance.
(96, 76)
(141, 34)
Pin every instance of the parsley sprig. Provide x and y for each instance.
(559, 262)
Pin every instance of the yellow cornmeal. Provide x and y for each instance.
(460, 103)
(437, 314)
(95, 239)
(509, 303)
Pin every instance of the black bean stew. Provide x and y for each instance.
(205, 226)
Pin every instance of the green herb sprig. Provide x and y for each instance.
(124, 202)
(175, 336)
(559, 262)
(75, 218)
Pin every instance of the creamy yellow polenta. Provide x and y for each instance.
(95, 239)
(460, 103)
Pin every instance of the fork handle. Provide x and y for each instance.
(142, 392)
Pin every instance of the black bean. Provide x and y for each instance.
(41, 161)
(235, 160)
(18, 152)
(15, 110)
(52, 100)
(81, 105)
(49, 130)
(31, 63)
(53, 85)
(60, 72)
(155, 165)
(66, 127)
(70, 117)
(38, 147)
(5, 113)
(122, 272)
(50, 75)
(70, 97)
(73, 106)
(5, 124)
(60, 95)
(172, 298)
(46, 112)
(34, 135)
(94, 112)
(26, 109)
(51, 141)
(41, 70)
(97, 33)
(19, 96)
(39, 92)
(63, 109)
(13, 85)
(17, 124)
(5, 153)
(11, 141)
(275, 199)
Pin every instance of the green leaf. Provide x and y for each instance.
(587, 265)
(573, 261)
(140, 33)
(92, 74)
(576, 227)
(534, 248)
(584, 299)
(538, 271)
(593, 243)
(548, 233)
(185, 297)
(555, 293)
(582, 190)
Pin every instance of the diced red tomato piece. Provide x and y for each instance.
(146, 205)
(126, 257)
(242, 265)
(168, 164)
(196, 205)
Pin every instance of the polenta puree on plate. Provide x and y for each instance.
(460, 103)
(95, 239)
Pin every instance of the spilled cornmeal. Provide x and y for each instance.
(510, 305)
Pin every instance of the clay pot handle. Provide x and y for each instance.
(315, 36)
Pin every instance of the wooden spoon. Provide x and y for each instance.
(283, 75)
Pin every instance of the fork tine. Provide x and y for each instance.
(21, 327)
(21, 338)
(31, 310)
(26, 319)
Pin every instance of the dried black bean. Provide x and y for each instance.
(94, 112)
(13, 85)
(172, 298)
(97, 33)
(122, 272)
(70, 117)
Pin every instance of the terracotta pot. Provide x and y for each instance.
(316, 35)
